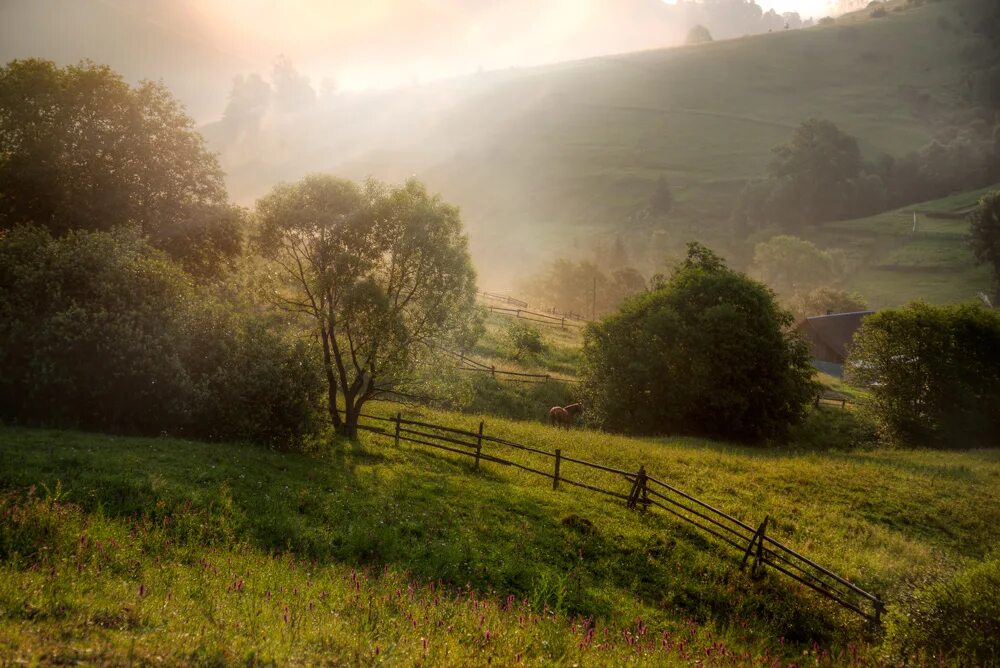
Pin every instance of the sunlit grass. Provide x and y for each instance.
(182, 523)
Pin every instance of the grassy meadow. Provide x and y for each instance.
(895, 264)
(118, 549)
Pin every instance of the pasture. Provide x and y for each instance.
(132, 549)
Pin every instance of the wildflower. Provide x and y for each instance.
(142, 591)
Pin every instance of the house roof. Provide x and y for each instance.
(830, 335)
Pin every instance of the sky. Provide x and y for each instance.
(197, 46)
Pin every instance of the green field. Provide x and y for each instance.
(895, 265)
(148, 550)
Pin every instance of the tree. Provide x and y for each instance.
(792, 265)
(662, 201)
(985, 236)
(292, 91)
(698, 34)
(933, 374)
(81, 149)
(383, 273)
(819, 161)
(709, 352)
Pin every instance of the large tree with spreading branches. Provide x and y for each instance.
(382, 273)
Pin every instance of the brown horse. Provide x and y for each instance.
(563, 415)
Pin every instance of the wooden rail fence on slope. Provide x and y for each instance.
(645, 491)
(469, 364)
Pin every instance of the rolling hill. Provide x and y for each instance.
(552, 159)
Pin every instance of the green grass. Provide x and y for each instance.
(561, 357)
(895, 265)
(196, 552)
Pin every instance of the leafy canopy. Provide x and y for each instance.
(984, 222)
(708, 352)
(81, 149)
(382, 273)
(933, 374)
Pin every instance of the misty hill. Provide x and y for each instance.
(551, 158)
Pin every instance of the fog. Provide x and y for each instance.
(197, 47)
(440, 89)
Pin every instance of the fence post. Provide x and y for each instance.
(639, 490)
(493, 370)
(479, 444)
(555, 480)
(879, 609)
(399, 416)
(760, 545)
(757, 536)
(562, 324)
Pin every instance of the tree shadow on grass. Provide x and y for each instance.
(419, 511)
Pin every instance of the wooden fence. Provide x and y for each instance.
(640, 490)
(505, 299)
(535, 316)
(466, 363)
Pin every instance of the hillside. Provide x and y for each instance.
(896, 264)
(551, 159)
(164, 549)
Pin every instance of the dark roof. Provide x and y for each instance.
(830, 335)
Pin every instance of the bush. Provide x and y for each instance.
(709, 352)
(954, 620)
(100, 331)
(251, 383)
(879, 12)
(523, 341)
(933, 372)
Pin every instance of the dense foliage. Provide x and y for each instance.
(709, 352)
(383, 273)
(933, 374)
(985, 231)
(99, 330)
(819, 175)
(81, 149)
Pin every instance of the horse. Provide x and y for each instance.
(563, 415)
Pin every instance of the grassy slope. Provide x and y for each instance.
(542, 159)
(195, 526)
(896, 265)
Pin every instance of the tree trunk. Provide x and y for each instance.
(331, 382)
(349, 427)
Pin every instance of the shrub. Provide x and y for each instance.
(879, 12)
(523, 340)
(933, 372)
(709, 352)
(250, 382)
(954, 620)
(100, 331)
(88, 331)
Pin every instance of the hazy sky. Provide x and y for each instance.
(197, 46)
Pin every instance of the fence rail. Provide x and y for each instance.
(469, 364)
(535, 316)
(644, 492)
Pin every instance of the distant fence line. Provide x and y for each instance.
(549, 316)
(468, 364)
(643, 492)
